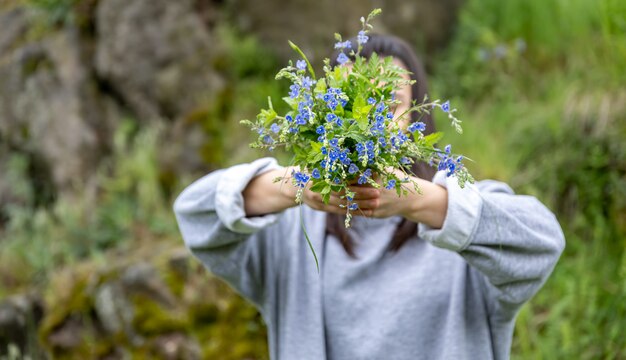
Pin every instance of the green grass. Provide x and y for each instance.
(549, 120)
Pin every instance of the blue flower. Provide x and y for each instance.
(353, 206)
(363, 178)
(315, 174)
(380, 107)
(446, 106)
(331, 117)
(320, 130)
(268, 139)
(289, 118)
(448, 148)
(324, 150)
(301, 64)
(404, 160)
(295, 91)
(342, 59)
(333, 155)
(417, 126)
(300, 120)
(389, 115)
(275, 128)
(390, 184)
(301, 179)
(371, 101)
(343, 45)
(362, 38)
(352, 169)
(332, 104)
(334, 142)
(350, 198)
(339, 121)
(307, 82)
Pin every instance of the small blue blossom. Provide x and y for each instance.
(342, 59)
(448, 148)
(307, 82)
(404, 160)
(333, 155)
(350, 198)
(334, 142)
(300, 120)
(331, 117)
(275, 128)
(371, 101)
(343, 45)
(315, 174)
(289, 118)
(353, 206)
(352, 169)
(301, 179)
(417, 126)
(390, 184)
(295, 91)
(380, 107)
(446, 106)
(339, 122)
(301, 64)
(363, 178)
(362, 38)
(320, 130)
(268, 139)
(324, 150)
(389, 115)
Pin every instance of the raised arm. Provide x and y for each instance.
(512, 240)
(213, 220)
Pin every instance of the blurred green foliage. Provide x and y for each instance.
(540, 87)
(125, 199)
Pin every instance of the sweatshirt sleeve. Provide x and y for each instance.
(212, 220)
(513, 240)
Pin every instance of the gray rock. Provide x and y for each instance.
(157, 55)
(143, 278)
(19, 317)
(51, 108)
(14, 26)
(426, 24)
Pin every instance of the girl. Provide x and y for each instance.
(437, 275)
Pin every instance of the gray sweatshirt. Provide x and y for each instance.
(451, 293)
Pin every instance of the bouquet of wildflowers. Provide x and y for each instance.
(341, 127)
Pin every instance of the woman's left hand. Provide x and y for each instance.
(429, 206)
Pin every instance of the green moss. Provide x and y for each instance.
(152, 319)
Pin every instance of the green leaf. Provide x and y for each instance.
(293, 103)
(432, 139)
(308, 240)
(360, 110)
(320, 87)
(326, 197)
(319, 186)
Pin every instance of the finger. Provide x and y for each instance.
(365, 192)
(364, 213)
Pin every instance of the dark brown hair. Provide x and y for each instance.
(387, 45)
